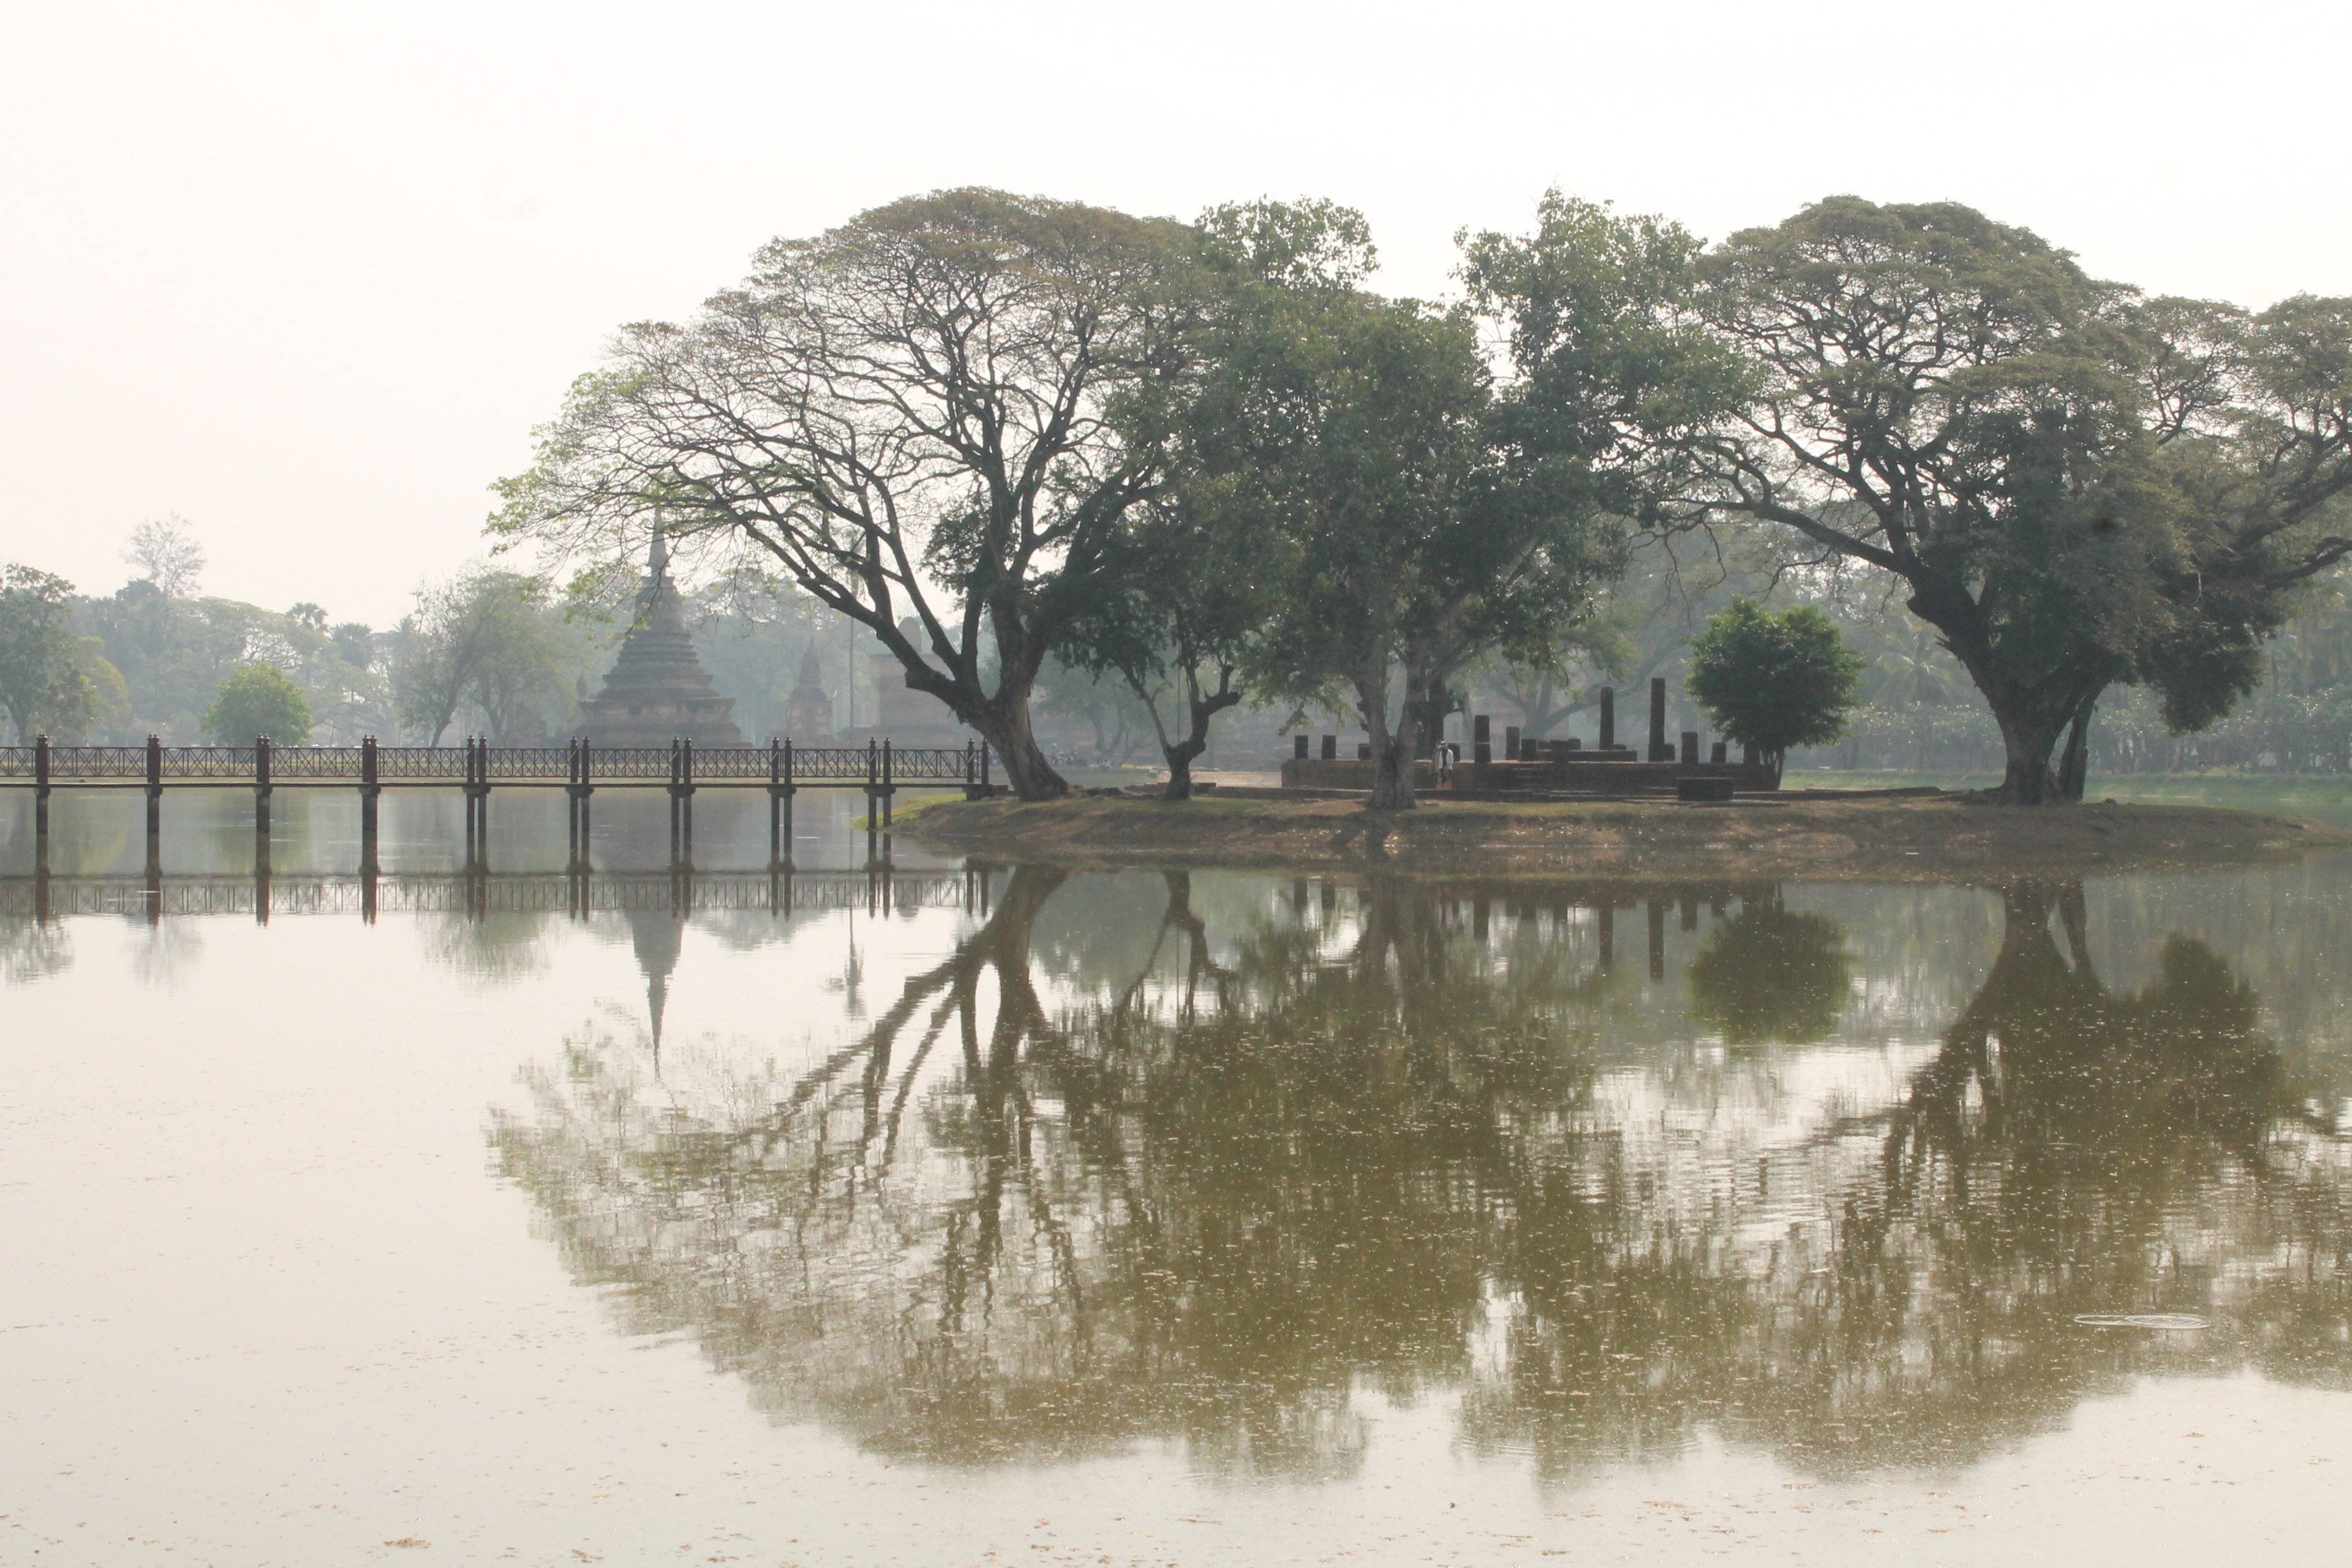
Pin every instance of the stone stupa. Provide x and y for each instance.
(657, 690)
(808, 712)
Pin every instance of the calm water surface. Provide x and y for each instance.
(996, 1215)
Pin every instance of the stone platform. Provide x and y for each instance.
(1547, 777)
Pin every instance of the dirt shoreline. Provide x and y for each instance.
(1907, 838)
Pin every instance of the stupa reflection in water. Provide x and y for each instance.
(1232, 1177)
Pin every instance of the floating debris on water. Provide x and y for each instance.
(2140, 1320)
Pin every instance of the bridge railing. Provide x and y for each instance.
(133, 764)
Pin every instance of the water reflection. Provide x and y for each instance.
(1141, 1160)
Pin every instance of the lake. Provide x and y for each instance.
(910, 1211)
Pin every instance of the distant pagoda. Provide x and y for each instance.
(808, 711)
(657, 690)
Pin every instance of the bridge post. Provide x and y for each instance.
(673, 801)
(477, 803)
(780, 791)
(154, 793)
(576, 790)
(261, 789)
(886, 790)
(873, 776)
(587, 796)
(368, 792)
(985, 788)
(41, 797)
(792, 793)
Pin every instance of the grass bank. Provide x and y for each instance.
(1931, 839)
(2320, 797)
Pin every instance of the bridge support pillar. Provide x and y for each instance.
(41, 802)
(578, 789)
(261, 794)
(369, 790)
(154, 794)
(478, 804)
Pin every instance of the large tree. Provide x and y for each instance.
(43, 682)
(1400, 540)
(166, 552)
(2076, 487)
(487, 639)
(1173, 623)
(914, 415)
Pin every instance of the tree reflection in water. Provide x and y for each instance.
(1282, 1169)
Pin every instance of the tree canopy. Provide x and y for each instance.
(1773, 681)
(2077, 485)
(995, 429)
(256, 700)
(913, 414)
(49, 683)
(485, 638)
(1424, 514)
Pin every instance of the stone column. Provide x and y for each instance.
(1659, 751)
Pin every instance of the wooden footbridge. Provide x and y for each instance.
(579, 768)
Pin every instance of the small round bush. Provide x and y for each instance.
(1771, 682)
(257, 699)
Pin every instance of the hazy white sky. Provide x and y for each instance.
(307, 275)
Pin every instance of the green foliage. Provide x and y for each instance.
(47, 680)
(173, 653)
(257, 699)
(941, 411)
(1773, 681)
(2075, 485)
(354, 644)
(1413, 523)
(487, 640)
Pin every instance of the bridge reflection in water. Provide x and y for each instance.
(878, 889)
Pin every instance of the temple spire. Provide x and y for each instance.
(657, 690)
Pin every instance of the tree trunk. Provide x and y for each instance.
(1003, 723)
(1392, 748)
(1436, 702)
(2027, 736)
(1181, 754)
(2075, 763)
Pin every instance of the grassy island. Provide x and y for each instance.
(1919, 836)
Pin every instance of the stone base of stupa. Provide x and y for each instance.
(615, 721)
